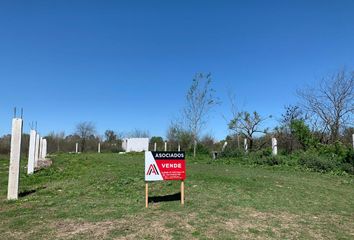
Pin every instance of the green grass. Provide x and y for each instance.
(101, 196)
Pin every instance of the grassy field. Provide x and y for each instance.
(101, 196)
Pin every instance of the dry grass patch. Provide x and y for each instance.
(140, 226)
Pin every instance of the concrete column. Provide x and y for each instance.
(44, 149)
(165, 146)
(179, 147)
(274, 146)
(15, 154)
(224, 146)
(99, 148)
(40, 147)
(31, 152)
(36, 154)
(77, 147)
(245, 145)
(155, 146)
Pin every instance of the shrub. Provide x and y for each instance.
(347, 167)
(349, 157)
(337, 149)
(201, 149)
(231, 153)
(303, 134)
(270, 160)
(317, 163)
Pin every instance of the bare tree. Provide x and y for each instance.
(247, 125)
(176, 134)
(284, 131)
(331, 103)
(85, 130)
(200, 99)
(58, 137)
(138, 133)
(234, 112)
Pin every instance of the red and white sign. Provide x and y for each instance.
(161, 166)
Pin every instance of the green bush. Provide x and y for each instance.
(303, 134)
(324, 158)
(270, 160)
(231, 153)
(318, 163)
(349, 157)
(347, 167)
(338, 149)
(264, 152)
(201, 149)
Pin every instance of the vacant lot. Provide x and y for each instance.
(101, 196)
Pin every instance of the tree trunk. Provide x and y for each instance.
(195, 148)
(83, 145)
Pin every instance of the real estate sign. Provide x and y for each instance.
(160, 166)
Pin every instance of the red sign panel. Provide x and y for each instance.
(161, 166)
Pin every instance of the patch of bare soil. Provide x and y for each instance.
(96, 230)
(254, 224)
(132, 227)
(246, 224)
(44, 163)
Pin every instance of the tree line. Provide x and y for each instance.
(323, 115)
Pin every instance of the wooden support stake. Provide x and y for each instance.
(182, 192)
(146, 195)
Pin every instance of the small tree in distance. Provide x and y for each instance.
(110, 136)
(248, 124)
(200, 99)
(85, 130)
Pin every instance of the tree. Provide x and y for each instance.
(199, 101)
(285, 133)
(110, 136)
(158, 140)
(247, 125)
(176, 134)
(303, 134)
(331, 103)
(85, 130)
(57, 138)
(208, 141)
(137, 133)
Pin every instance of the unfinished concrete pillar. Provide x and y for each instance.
(40, 147)
(99, 148)
(155, 146)
(36, 154)
(44, 148)
(179, 147)
(31, 152)
(274, 147)
(224, 146)
(15, 154)
(245, 145)
(77, 147)
(165, 146)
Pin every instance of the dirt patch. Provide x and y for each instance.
(43, 163)
(97, 230)
(132, 227)
(253, 224)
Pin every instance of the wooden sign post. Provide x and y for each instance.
(164, 166)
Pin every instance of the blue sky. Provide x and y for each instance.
(127, 65)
